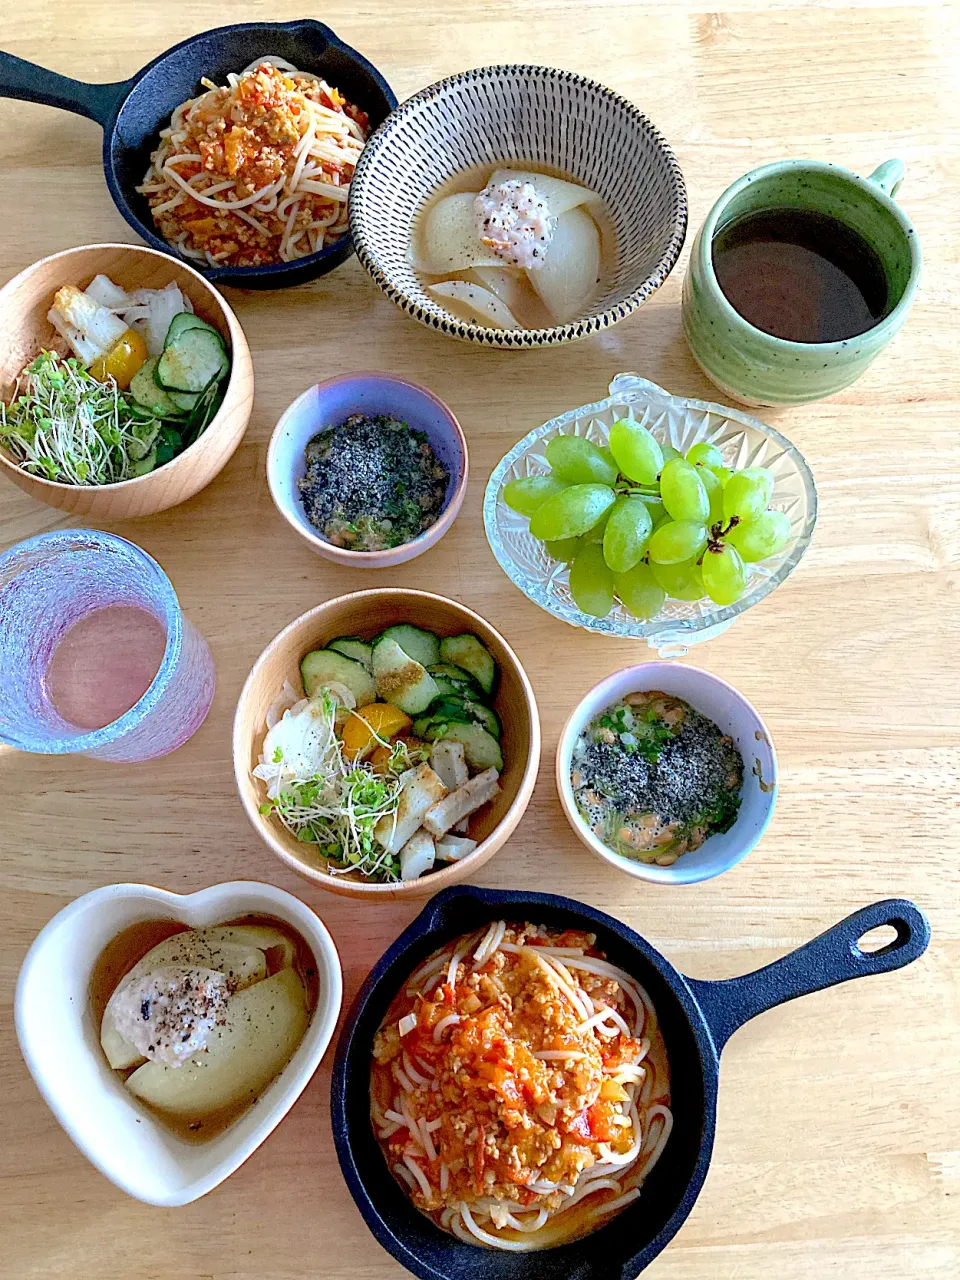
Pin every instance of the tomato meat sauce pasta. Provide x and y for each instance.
(520, 1089)
(257, 172)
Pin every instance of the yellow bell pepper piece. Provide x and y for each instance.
(122, 361)
(380, 760)
(377, 718)
(613, 1092)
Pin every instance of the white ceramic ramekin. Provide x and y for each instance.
(330, 403)
(722, 704)
(61, 1043)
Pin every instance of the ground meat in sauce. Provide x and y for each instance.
(514, 220)
(249, 136)
(169, 1012)
(503, 1119)
(372, 483)
(654, 778)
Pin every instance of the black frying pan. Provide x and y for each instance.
(697, 1018)
(132, 113)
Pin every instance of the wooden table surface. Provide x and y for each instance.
(838, 1146)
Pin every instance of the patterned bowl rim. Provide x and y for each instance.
(448, 323)
(670, 630)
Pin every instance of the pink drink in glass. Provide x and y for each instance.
(104, 665)
(96, 656)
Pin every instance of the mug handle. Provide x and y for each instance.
(888, 177)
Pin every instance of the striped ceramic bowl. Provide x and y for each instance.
(520, 115)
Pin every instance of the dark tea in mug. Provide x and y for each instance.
(800, 275)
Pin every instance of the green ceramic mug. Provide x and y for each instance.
(755, 367)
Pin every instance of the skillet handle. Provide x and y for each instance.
(30, 83)
(832, 957)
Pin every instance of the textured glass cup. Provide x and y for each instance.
(51, 582)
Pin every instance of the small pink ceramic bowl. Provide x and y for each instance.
(328, 404)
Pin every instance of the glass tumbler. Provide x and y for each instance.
(47, 585)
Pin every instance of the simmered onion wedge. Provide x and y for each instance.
(508, 283)
(560, 195)
(568, 278)
(474, 303)
(236, 950)
(264, 1024)
(446, 239)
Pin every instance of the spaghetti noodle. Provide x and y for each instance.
(520, 1088)
(257, 172)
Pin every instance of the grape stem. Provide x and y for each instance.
(718, 531)
(644, 491)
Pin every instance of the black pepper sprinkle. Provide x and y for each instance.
(686, 779)
(372, 483)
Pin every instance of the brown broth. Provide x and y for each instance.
(532, 314)
(800, 275)
(129, 947)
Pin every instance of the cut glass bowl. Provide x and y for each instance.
(743, 440)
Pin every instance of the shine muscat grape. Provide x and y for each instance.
(638, 522)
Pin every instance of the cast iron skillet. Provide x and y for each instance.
(133, 112)
(697, 1019)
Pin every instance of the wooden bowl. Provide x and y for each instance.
(365, 613)
(24, 303)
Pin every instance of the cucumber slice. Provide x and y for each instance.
(144, 438)
(185, 401)
(448, 688)
(452, 708)
(481, 749)
(467, 652)
(422, 646)
(401, 680)
(146, 392)
(448, 669)
(484, 716)
(355, 648)
(421, 728)
(195, 360)
(183, 322)
(146, 464)
(462, 711)
(461, 683)
(325, 666)
(203, 414)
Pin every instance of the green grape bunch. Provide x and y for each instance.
(638, 522)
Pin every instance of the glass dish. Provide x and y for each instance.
(49, 583)
(743, 440)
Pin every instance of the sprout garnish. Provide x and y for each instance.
(332, 802)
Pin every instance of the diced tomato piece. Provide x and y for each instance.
(623, 1049)
(579, 1126)
(598, 1117)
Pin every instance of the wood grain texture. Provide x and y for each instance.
(24, 303)
(365, 613)
(837, 1149)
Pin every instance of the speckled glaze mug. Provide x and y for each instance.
(757, 368)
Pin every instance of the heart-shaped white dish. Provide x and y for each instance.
(61, 1044)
